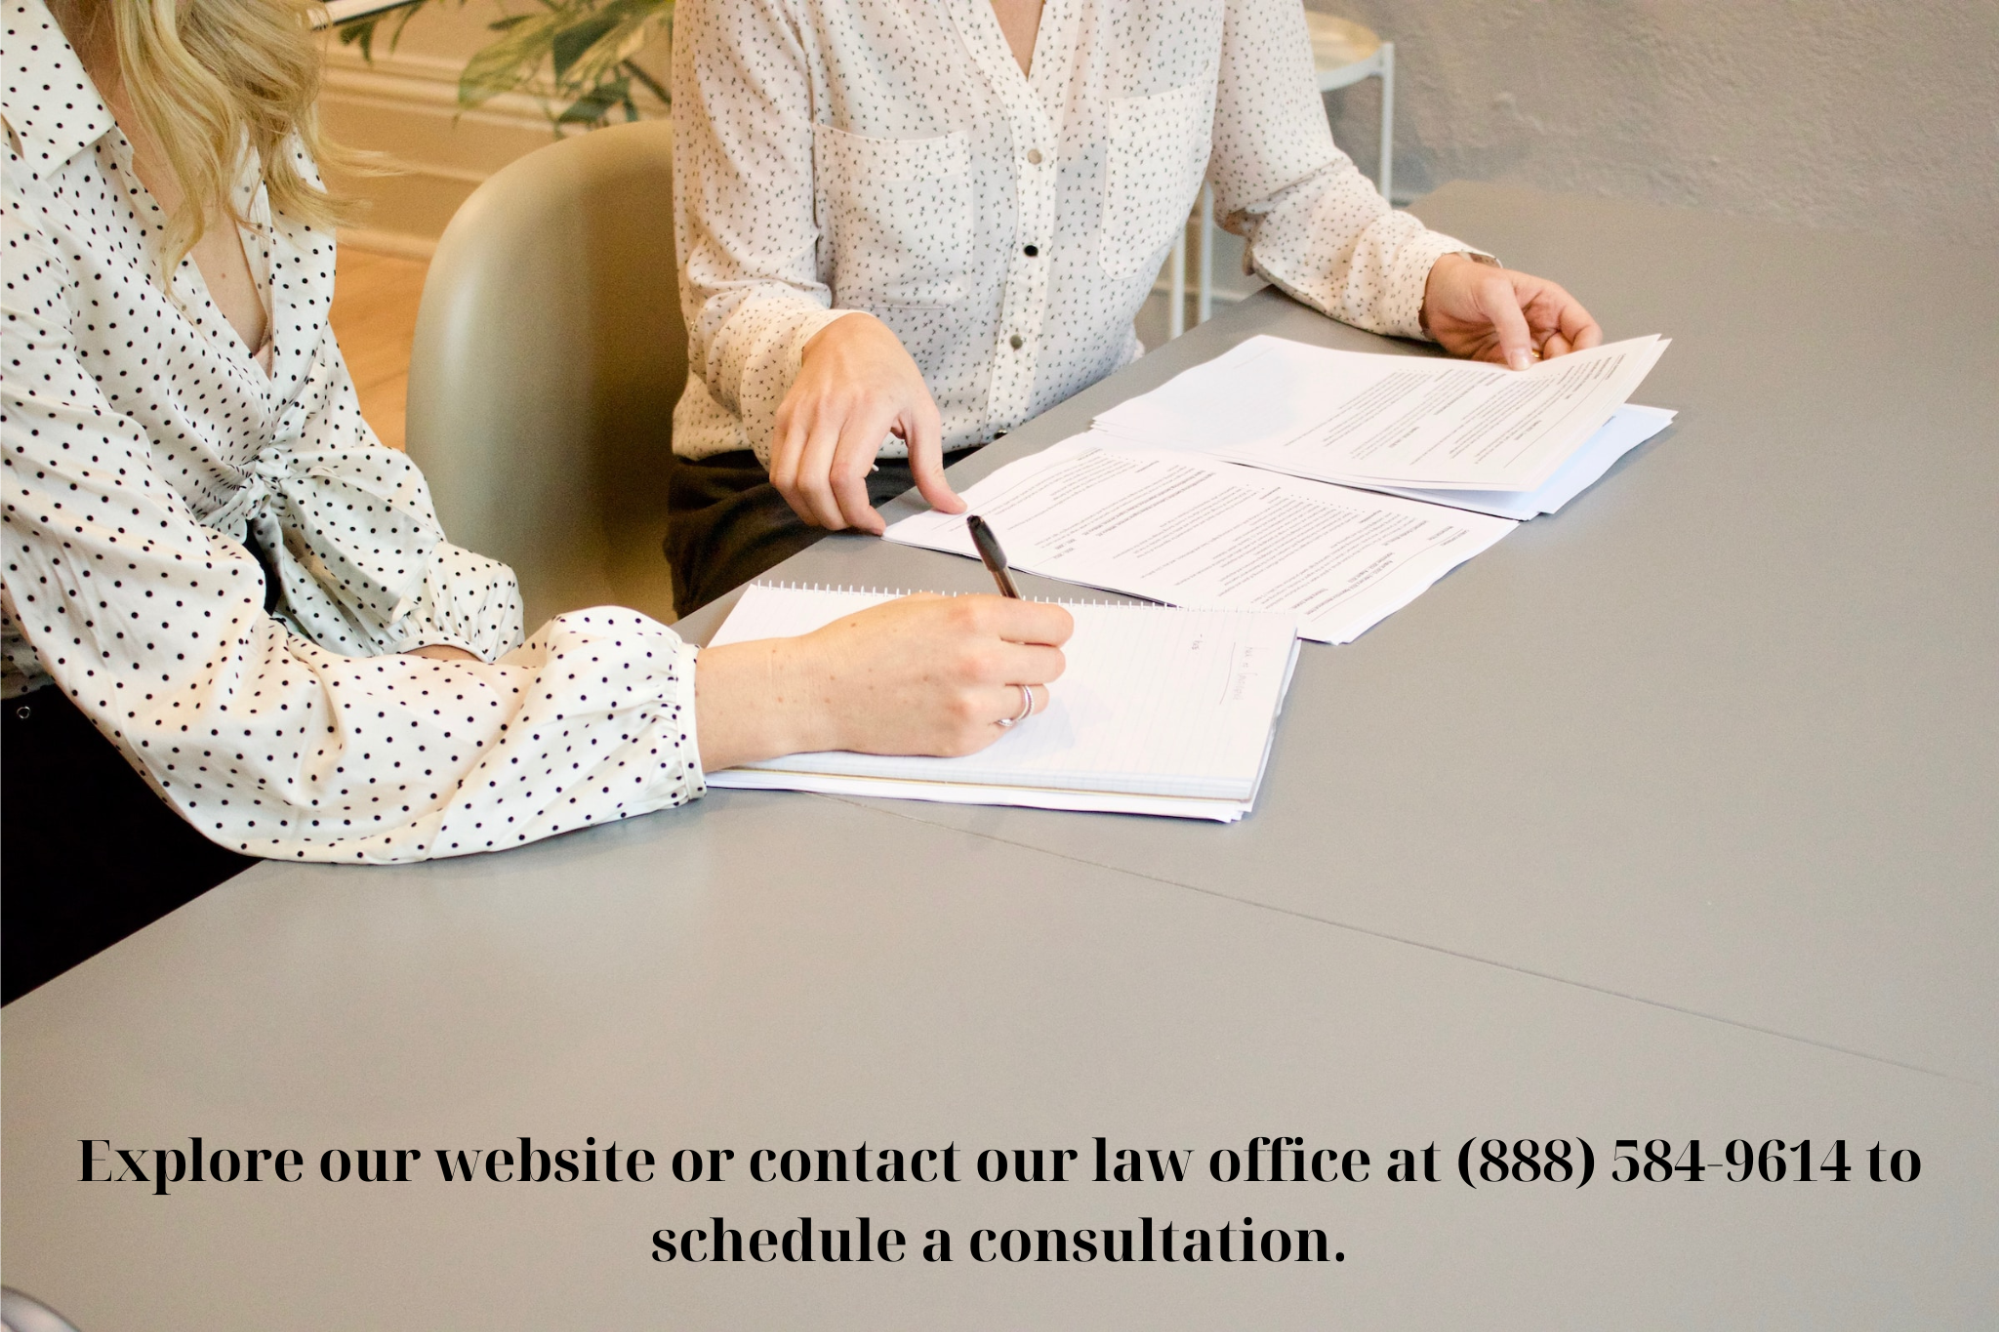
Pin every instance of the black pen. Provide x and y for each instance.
(989, 551)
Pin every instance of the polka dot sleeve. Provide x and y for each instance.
(748, 268)
(154, 625)
(1316, 227)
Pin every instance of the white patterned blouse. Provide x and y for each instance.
(146, 451)
(890, 156)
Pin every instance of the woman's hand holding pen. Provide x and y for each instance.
(1488, 313)
(856, 385)
(920, 675)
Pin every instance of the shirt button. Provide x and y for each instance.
(1016, 342)
(1030, 250)
(1034, 157)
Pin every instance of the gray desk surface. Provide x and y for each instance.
(1670, 816)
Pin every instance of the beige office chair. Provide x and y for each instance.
(549, 353)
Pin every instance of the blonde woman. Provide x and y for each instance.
(232, 626)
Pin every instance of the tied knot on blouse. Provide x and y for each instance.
(356, 523)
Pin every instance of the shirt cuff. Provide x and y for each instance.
(760, 417)
(1414, 259)
(808, 329)
(686, 659)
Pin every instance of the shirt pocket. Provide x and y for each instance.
(1155, 156)
(897, 215)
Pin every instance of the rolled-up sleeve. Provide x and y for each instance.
(1316, 227)
(154, 625)
(745, 222)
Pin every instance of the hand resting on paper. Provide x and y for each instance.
(856, 385)
(924, 675)
(1486, 313)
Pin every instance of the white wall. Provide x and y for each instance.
(1869, 115)
(1864, 115)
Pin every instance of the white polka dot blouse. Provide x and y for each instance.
(890, 156)
(146, 451)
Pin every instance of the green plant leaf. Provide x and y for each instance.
(360, 32)
(595, 106)
(615, 33)
(586, 46)
(504, 65)
(651, 85)
(575, 41)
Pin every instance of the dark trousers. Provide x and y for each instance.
(727, 524)
(88, 853)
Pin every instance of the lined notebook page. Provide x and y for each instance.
(1155, 701)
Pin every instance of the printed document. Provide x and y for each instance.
(1159, 711)
(1628, 427)
(1371, 419)
(1192, 530)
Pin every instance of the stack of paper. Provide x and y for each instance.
(1628, 427)
(1365, 419)
(1160, 711)
(1190, 530)
(1234, 484)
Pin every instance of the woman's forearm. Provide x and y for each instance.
(919, 675)
(746, 707)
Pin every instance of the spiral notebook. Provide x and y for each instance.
(1160, 711)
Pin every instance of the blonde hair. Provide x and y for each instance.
(212, 79)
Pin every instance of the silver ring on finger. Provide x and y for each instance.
(1026, 707)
